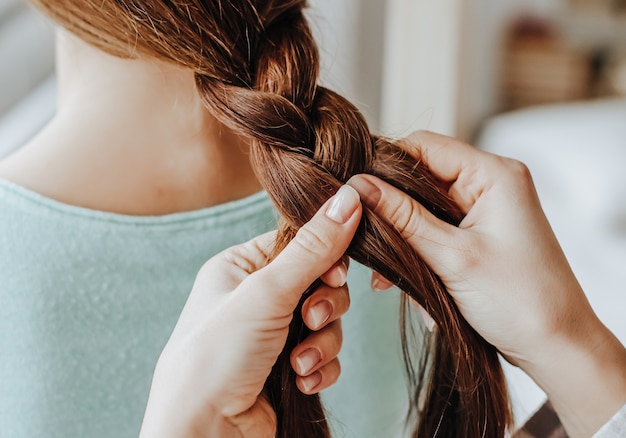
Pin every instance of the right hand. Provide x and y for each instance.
(502, 265)
(505, 269)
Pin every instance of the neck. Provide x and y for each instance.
(131, 136)
(148, 101)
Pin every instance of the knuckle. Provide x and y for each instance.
(309, 241)
(256, 247)
(334, 370)
(336, 336)
(518, 170)
(238, 256)
(329, 341)
(405, 217)
(519, 176)
(345, 297)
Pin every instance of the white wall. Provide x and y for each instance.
(26, 52)
(26, 64)
(397, 60)
(350, 34)
(420, 83)
(484, 25)
(411, 64)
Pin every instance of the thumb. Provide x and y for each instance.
(314, 250)
(430, 237)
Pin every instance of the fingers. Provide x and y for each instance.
(380, 283)
(325, 305)
(468, 171)
(446, 157)
(338, 274)
(315, 359)
(246, 258)
(427, 234)
(321, 379)
(315, 249)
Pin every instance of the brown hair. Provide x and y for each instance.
(256, 68)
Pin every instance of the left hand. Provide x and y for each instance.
(210, 376)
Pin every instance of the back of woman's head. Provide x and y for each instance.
(256, 69)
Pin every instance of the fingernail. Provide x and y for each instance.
(369, 193)
(343, 205)
(342, 271)
(320, 313)
(310, 382)
(376, 285)
(380, 283)
(429, 322)
(307, 360)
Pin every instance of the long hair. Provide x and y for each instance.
(256, 69)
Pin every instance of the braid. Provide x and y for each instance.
(305, 136)
(256, 68)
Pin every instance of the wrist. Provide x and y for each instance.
(583, 372)
(173, 412)
(174, 422)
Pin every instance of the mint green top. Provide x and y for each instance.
(88, 299)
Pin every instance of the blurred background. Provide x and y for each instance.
(543, 81)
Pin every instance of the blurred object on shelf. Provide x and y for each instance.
(607, 7)
(619, 6)
(617, 76)
(539, 67)
(594, 6)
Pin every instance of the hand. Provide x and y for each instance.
(209, 378)
(485, 262)
(509, 277)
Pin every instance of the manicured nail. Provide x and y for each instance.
(342, 272)
(307, 360)
(376, 285)
(310, 382)
(380, 283)
(343, 205)
(320, 313)
(369, 193)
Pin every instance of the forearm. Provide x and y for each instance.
(584, 379)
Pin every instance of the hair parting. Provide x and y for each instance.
(256, 68)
